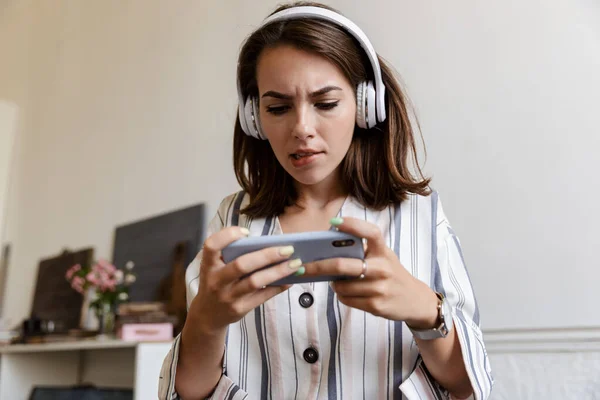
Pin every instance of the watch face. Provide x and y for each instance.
(447, 315)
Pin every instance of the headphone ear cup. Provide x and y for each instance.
(250, 131)
(360, 106)
(370, 108)
(256, 114)
(242, 117)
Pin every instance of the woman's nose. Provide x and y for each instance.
(304, 124)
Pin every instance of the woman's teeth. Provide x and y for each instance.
(300, 155)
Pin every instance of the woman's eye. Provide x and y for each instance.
(327, 106)
(277, 110)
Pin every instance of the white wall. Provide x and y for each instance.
(550, 365)
(8, 123)
(118, 109)
(548, 376)
(127, 108)
(508, 94)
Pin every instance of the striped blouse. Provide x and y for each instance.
(305, 344)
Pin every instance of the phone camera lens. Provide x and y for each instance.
(343, 243)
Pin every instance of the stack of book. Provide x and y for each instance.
(144, 322)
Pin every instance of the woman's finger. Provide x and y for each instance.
(359, 288)
(266, 276)
(372, 268)
(368, 304)
(261, 296)
(251, 262)
(350, 267)
(211, 251)
(363, 229)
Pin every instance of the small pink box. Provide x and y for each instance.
(146, 332)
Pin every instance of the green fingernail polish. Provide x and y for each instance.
(336, 221)
(300, 271)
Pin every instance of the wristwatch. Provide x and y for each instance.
(444, 322)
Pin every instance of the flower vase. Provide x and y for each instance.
(106, 320)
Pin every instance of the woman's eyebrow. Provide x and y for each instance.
(316, 93)
(324, 90)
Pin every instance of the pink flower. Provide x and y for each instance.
(110, 286)
(78, 283)
(104, 281)
(106, 266)
(78, 288)
(92, 278)
(103, 278)
(72, 271)
(79, 280)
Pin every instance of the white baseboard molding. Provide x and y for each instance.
(558, 340)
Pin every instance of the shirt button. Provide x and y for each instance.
(306, 300)
(310, 355)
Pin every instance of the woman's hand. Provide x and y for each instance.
(225, 293)
(387, 290)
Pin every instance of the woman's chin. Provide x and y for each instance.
(309, 178)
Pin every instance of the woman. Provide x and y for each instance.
(318, 144)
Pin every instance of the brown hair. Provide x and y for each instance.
(376, 169)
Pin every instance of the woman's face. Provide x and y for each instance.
(307, 112)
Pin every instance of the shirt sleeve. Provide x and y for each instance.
(454, 282)
(225, 388)
(450, 277)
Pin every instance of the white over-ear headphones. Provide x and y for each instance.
(370, 100)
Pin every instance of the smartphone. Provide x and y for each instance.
(308, 246)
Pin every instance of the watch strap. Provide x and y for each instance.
(445, 322)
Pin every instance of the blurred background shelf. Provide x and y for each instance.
(103, 363)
